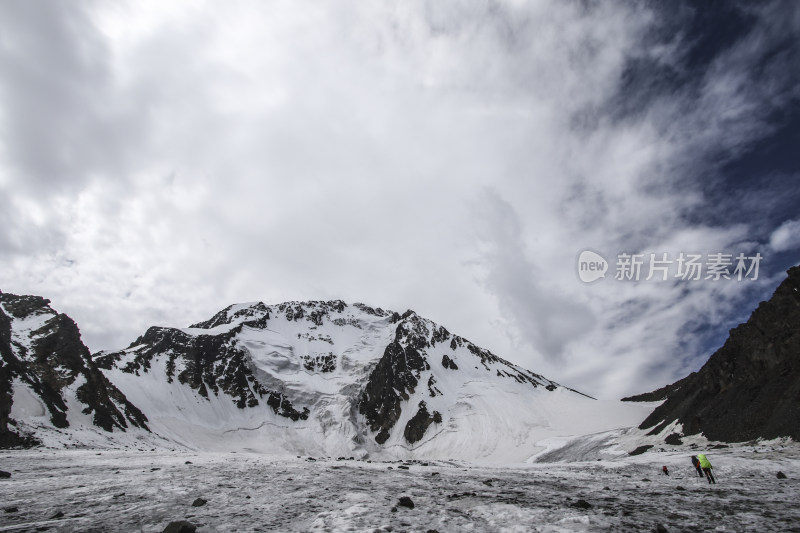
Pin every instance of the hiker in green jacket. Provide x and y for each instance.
(706, 466)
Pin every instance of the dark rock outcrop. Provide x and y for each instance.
(393, 378)
(750, 387)
(418, 425)
(641, 449)
(51, 358)
(449, 363)
(659, 395)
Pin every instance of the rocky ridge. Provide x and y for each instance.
(750, 387)
(42, 350)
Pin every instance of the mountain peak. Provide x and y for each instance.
(324, 378)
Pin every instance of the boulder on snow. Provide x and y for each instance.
(581, 504)
(4, 474)
(405, 501)
(180, 526)
(199, 502)
(781, 475)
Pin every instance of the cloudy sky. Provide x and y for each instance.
(161, 160)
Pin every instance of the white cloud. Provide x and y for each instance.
(447, 157)
(786, 236)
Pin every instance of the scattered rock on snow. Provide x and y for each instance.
(641, 449)
(582, 504)
(660, 529)
(180, 526)
(4, 474)
(11, 509)
(58, 514)
(199, 502)
(405, 501)
(449, 363)
(781, 475)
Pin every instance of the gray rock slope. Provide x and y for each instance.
(750, 387)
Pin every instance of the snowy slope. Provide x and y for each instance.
(331, 379)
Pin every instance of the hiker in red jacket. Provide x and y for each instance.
(665, 470)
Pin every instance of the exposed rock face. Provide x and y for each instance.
(210, 363)
(395, 376)
(449, 363)
(418, 425)
(659, 395)
(750, 387)
(43, 350)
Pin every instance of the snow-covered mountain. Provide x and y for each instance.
(331, 379)
(47, 376)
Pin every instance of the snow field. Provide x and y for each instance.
(143, 491)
